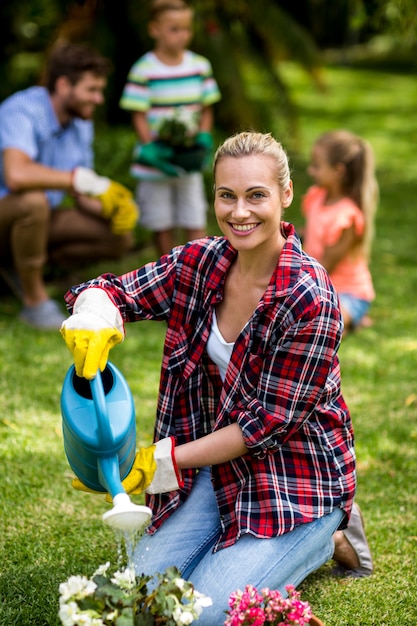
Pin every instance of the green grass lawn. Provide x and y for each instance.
(49, 531)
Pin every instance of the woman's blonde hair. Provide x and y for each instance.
(359, 182)
(249, 143)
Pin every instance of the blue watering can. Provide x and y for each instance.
(99, 428)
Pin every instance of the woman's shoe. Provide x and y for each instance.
(355, 535)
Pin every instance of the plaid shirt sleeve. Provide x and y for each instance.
(143, 294)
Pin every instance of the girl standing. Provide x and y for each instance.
(339, 211)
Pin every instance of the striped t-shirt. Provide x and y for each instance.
(164, 91)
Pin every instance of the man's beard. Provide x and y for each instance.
(78, 110)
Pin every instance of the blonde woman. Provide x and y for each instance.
(255, 461)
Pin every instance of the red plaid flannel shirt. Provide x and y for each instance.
(282, 386)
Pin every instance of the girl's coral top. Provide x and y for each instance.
(324, 226)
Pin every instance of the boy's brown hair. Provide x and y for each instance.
(158, 7)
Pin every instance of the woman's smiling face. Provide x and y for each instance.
(249, 201)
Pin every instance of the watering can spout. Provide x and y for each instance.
(126, 516)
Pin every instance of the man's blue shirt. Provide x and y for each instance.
(28, 123)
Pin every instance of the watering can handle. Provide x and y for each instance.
(105, 434)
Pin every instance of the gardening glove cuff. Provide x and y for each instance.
(86, 181)
(92, 330)
(167, 476)
(119, 207)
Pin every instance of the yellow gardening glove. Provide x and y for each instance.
(77, 484)
(154, 470)
(91, 331)
(120, 208)
(139, 477)
(118, 204)
(90, 347)
(142, 472)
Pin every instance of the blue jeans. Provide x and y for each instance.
(355, 307)
(187, 537)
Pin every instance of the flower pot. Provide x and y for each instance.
(315, 621)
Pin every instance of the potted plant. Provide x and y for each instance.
(124, 599)
(190, 147)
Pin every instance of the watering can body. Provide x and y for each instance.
(99, 428)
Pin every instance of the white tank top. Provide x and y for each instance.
(218, 349)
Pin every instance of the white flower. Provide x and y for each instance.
(102, 569)
(112, 616)
(186, 617)
(182, 612)
(201, 602)
(125, 579)
(76, 587)
(83, 619)
(182, 615)
(67, 613)
(202, 599)
(179, 582)
(188, 118)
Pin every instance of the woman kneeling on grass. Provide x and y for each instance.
(255, 462)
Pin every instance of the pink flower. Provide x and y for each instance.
(251, 608)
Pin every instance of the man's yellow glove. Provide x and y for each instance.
(92, 330)
(117, 201)
(120, 208)
(154, 470)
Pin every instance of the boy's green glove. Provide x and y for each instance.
(92, 330)
(154, 470)
(205, 140)
(156, 155)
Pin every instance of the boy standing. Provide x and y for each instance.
(170, 82)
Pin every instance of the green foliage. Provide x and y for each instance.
(125, 599)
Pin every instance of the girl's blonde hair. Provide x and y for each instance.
(359, 182)
(249, 143)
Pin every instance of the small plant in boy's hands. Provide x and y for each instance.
(124, 599)
(191, 148)
(253, 608)
(179, 131)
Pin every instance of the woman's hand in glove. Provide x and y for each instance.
(154, 470)
(92, 330)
